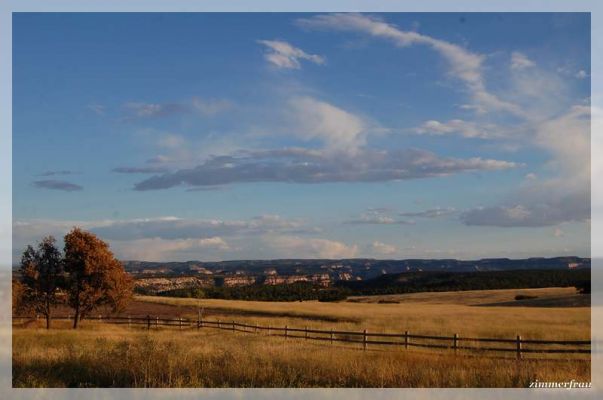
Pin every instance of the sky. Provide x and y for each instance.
(210, 136)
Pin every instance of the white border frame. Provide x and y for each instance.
(7, 7)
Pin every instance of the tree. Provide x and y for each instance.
(42, 277)
(95, 277)
(18, 301)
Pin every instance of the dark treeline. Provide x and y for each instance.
(453, 281)
(411, 282)
(287, 292)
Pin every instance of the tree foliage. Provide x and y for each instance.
(94, 276)
(19, 305)
(41, 277)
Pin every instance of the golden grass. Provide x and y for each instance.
(422, 313)
(468, 297)
(102, 355)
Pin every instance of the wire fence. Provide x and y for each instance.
(363, 338)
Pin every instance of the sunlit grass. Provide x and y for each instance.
(428, 313)
(106, 355)
(110, 356)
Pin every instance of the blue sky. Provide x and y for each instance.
(234, 136)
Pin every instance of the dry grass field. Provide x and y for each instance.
(422, 313)
(103, 355)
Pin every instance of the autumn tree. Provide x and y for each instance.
(18, 303)
(95, 278)
(42, 276)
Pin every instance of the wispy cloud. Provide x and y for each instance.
(466, 129)
(203, 107)
(382, 249)
(56, 173)
(210, 107)
(166, 227)
(52, 184)
(338, 129)
(520, 61)
(139, 170)
(97, 109)
(281, 54)
(284, 246)
(463, 64)
(378, 217)
(152, 110)
(431, 213)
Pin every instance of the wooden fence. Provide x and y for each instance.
(364, 338)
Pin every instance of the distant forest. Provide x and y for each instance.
(411, 282)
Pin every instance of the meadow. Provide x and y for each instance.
(103, 355)
(468, 313)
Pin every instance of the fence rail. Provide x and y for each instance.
(405, 340)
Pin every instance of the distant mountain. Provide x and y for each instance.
(347, 269)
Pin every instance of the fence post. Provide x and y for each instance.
(406, 340)
(233, 326)
(331, 335)
(518, 347)
(157, 322)
(454, 342)
(268, 329)
(100, 318)
(364, 340)
(286, 333)
(256, 327)
(129, 321)
(198, 319)
(306, 332)
(148, 322)
(219, 325)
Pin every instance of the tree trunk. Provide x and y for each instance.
(48, 316)
(76, 317)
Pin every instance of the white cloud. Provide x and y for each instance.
(157, 249)
(283, 55)
(338, 129)
(298, 247)
(520, 61)
(563, 198)
(582, 74)
(381, 248)
(462, 128)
